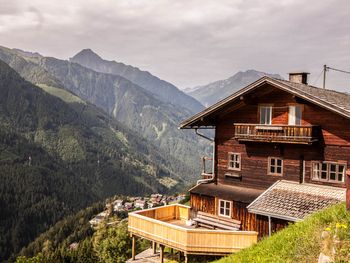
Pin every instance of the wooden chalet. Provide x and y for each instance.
(280, 152)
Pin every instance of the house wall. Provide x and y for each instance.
(334, 144)
(250, 222)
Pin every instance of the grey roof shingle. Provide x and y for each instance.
(293, 201)
(336, 98)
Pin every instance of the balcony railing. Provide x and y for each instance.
(301, 134)
(167, 226)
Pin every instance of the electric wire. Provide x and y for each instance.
(339, 70)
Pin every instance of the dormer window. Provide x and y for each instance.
(294, 115)
(265, 114)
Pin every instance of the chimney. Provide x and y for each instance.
(298, 77)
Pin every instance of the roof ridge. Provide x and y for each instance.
(311, 86)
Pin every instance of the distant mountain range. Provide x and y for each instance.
(161, 89)
(218, 90)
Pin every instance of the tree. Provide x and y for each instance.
(116, 246)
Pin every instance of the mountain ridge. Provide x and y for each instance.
(218, 90)
(162, 89)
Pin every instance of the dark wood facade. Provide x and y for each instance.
(333, 143)
(327, 140)
(250, 222)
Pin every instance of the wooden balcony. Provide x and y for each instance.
(298, 134)
(167, 226)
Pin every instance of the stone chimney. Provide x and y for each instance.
(298, 77)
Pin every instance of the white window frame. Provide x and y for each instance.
(226, 202)
(292, 115)
(275, 165)
(268, 106)
(237, 160)
(317, 170)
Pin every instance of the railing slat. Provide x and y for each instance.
(287, 133)
(145, 224)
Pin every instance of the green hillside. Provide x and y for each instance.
(59, 154)
(135, 107)
(302, 242)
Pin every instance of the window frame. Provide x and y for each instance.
(328, 171)
(229, 161)
(271, 113)
(276, 166)
(225, 208)
(295, 115)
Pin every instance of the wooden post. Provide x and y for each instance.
(186, 258)
(179, 257)
(154, 247)
(133, 247)
(161, 253)
(269, 226)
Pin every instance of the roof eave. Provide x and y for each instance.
(187, 123)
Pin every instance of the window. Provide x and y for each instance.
(294, 115)
(327, 171)
(275, 166)
(224, 208)
(265, 114)
(234, 161)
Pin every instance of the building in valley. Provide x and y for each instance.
(280, 152)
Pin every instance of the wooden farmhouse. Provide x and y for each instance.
(280, 152)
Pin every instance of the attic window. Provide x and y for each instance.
(294, 115)
(265, 114)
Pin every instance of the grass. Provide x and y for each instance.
(302, 242)
(61, 93)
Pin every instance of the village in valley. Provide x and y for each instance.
(122, 205)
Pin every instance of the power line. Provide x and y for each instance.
(340, 70)
(318, 78)
(326, 68)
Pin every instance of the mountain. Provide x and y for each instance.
(59, 154)
(218, 90)
(161, 89)
(132, 105)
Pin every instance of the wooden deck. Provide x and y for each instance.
(167, 226)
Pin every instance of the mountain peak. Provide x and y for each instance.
(86, 54)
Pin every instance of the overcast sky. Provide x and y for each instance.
(189, 42)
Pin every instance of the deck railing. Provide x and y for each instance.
(301, 134)
(155, 225)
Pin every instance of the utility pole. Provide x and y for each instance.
(324, 76)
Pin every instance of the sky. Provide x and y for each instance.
(190, 42)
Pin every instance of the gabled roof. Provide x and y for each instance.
(334, 101)
(293, 201)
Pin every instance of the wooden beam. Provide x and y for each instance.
(161, 253)
(186, 258)
(154, 247)
(269, 226)
(133, 247)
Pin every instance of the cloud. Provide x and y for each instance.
(188, 42)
